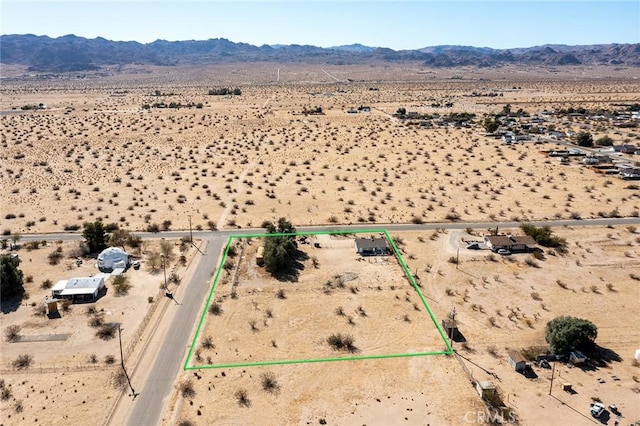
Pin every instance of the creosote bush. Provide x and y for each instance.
(269, 382)
(11, 333)
(23, 362)
(341, 342)
(215, 309)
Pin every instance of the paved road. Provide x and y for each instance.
(149, 405)
(70, 236)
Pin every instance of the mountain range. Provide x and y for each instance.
(71, 53)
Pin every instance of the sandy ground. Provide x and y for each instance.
(240, 160)
(94, 153)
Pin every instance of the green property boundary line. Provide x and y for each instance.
(216, 279)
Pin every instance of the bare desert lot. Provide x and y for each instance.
(326, 146)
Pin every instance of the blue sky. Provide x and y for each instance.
(397, 24)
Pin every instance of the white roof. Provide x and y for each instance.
(117, 271)
(60, 285)
(83, 285)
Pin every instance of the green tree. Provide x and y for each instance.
(279, 249)
(543, 236)
(401, 111)
(96, 236)
(584, 139)
(604, 141)
(11, 282)
(119, 238)
(490, 125)
(565, 334)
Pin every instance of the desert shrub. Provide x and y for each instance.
(186, 389)
(269, 382)
(453, 259)
(493, 351)
(121, 285)
(54, 257)
(174, 278)
(5, 393)
(529, 261)
(23, 362)
(342, 342)
(153, 227)
(107, 331)
(11, 333)
(96, 321)
(243, 398)
(281, 294)
(215, 309)
(109, 360)
(46, 284)
(207, 343)
(119, 379)
(93, 359)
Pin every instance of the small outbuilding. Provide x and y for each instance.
(486, 389)
(112, 258)
(516, 360)
(260, 256)
(84, 289)
(577, 357)
(372, 246)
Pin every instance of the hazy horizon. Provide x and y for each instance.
(402, 25)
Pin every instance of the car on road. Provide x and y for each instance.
(597, 409)
(504, 252)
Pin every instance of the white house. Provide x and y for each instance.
(79, 289)
(112, 258)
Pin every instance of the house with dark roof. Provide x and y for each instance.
(372, 246)
(512, 243)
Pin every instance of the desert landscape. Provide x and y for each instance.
(149, 150)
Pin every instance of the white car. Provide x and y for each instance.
(597, 409)
(136, 264)
(504, 252)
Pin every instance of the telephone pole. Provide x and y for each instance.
(190, 232)
(553, 370)
(124, 370)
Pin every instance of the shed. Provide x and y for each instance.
(79, 289)
(486, 389)
(516, 360)
(577, 357)
(260, 256)
(450, 327)
(372, 246)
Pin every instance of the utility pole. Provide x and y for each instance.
(553, 370)
(458, 258)
(133, 392)
(164, 268)
(190, 232)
